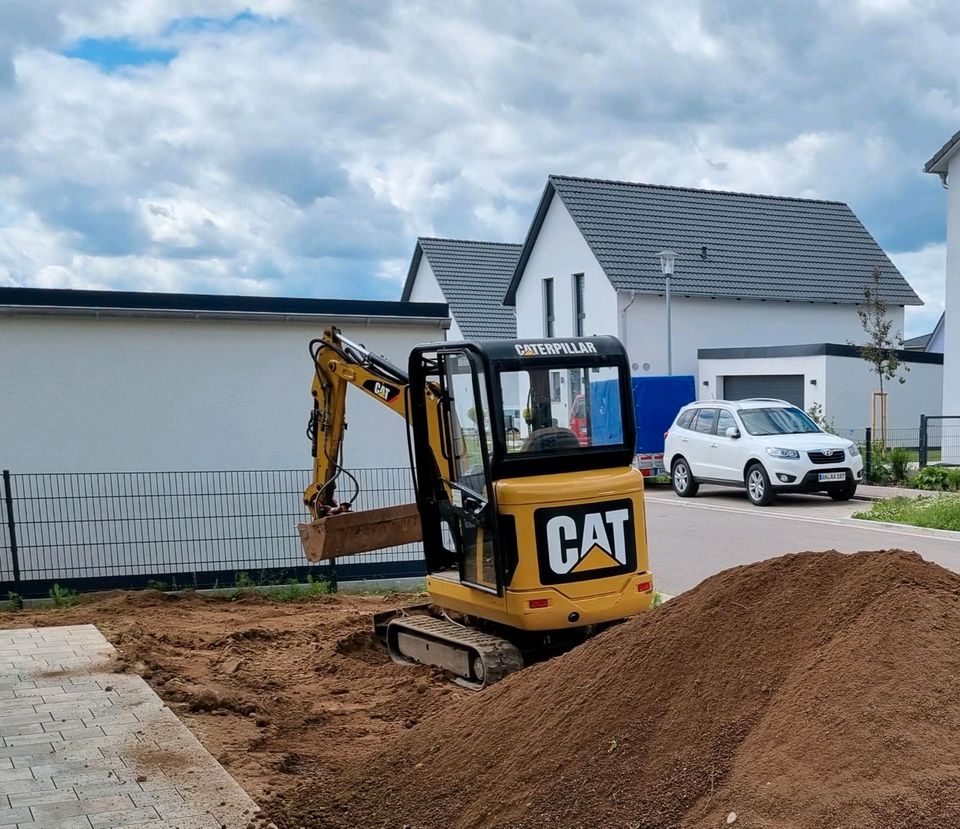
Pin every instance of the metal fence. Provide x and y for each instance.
(95, 531)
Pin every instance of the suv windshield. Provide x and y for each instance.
(777, 421)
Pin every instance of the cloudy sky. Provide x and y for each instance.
(298, 147)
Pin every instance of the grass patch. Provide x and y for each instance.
(936, 512)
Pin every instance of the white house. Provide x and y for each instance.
(751, 271)
(97, 381)
(471, 278)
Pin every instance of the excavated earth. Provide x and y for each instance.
(812, 690)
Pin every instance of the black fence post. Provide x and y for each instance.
(923, 441)
(868, 452)
(11, 526)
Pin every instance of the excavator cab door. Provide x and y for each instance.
(456, 495)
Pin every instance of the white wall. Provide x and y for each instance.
(712, 371)
(850, 387)
(85, 394)
(951, 326)
(844, 387)
(560, 252)
(726, 323)
(935, 346)
(427, 289)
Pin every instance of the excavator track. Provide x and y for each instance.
(477, 659)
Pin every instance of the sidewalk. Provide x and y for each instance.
(83, 747)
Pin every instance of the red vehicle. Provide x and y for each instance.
(578, 418)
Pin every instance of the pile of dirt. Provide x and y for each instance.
(813, 690)
(278, 692)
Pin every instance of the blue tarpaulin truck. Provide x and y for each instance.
(656, 401)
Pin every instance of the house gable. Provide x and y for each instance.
(472, 278)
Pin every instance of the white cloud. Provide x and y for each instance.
(924, 270)
(299, 147)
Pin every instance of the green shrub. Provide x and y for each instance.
(153, 584)
(898, 460)
(63, 596)
(936, 478)
(15, 600)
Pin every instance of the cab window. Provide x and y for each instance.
(707, 422)
(566, 411)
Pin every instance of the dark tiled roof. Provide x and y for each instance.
(918, 343)
(473, 277)
(930, 166)
(757, 247)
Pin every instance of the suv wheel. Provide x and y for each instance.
(844, 493)
(684, 484)
(759, 490)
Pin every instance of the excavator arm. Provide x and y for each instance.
(335, 529)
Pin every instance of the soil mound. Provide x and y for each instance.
(813, 690)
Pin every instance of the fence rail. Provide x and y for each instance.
(95, 531)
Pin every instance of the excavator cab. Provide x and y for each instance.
(542, 530)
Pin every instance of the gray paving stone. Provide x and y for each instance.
(134, 817)
(11, 817)
(59, 811)
(42, 798)
(80, 822)
(31, 784)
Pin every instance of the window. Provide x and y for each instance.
(557, 423)
(548, 318)
(777, 421)
(579, 315)
(686, 419)
(707, 421)
(725, 422)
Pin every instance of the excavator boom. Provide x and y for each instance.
(335, 529)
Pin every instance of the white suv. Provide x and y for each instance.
(767, 446)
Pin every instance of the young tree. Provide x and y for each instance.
(880, 349)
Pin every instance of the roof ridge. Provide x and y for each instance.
(468, 241)
(744, 194)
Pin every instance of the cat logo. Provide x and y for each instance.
(384, 391)
(585, 541)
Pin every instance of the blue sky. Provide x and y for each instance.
(298, 148)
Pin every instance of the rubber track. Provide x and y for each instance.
(499, 656)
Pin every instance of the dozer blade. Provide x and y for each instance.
(360, 532)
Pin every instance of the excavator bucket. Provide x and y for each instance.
(360, 532)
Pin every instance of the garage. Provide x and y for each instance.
(787, 387)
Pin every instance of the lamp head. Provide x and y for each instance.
(667, 258)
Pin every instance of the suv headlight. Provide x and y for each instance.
(852, 450)
(787, 454)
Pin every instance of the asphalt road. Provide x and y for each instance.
(693, 538)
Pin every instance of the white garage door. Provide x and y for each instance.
(787, 387)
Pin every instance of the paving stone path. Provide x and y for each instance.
(84, 747)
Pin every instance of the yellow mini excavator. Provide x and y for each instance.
(534, 535)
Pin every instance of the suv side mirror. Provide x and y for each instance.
(732, 432)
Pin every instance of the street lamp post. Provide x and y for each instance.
(667, 258)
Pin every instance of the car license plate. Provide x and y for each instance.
(825, 477)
